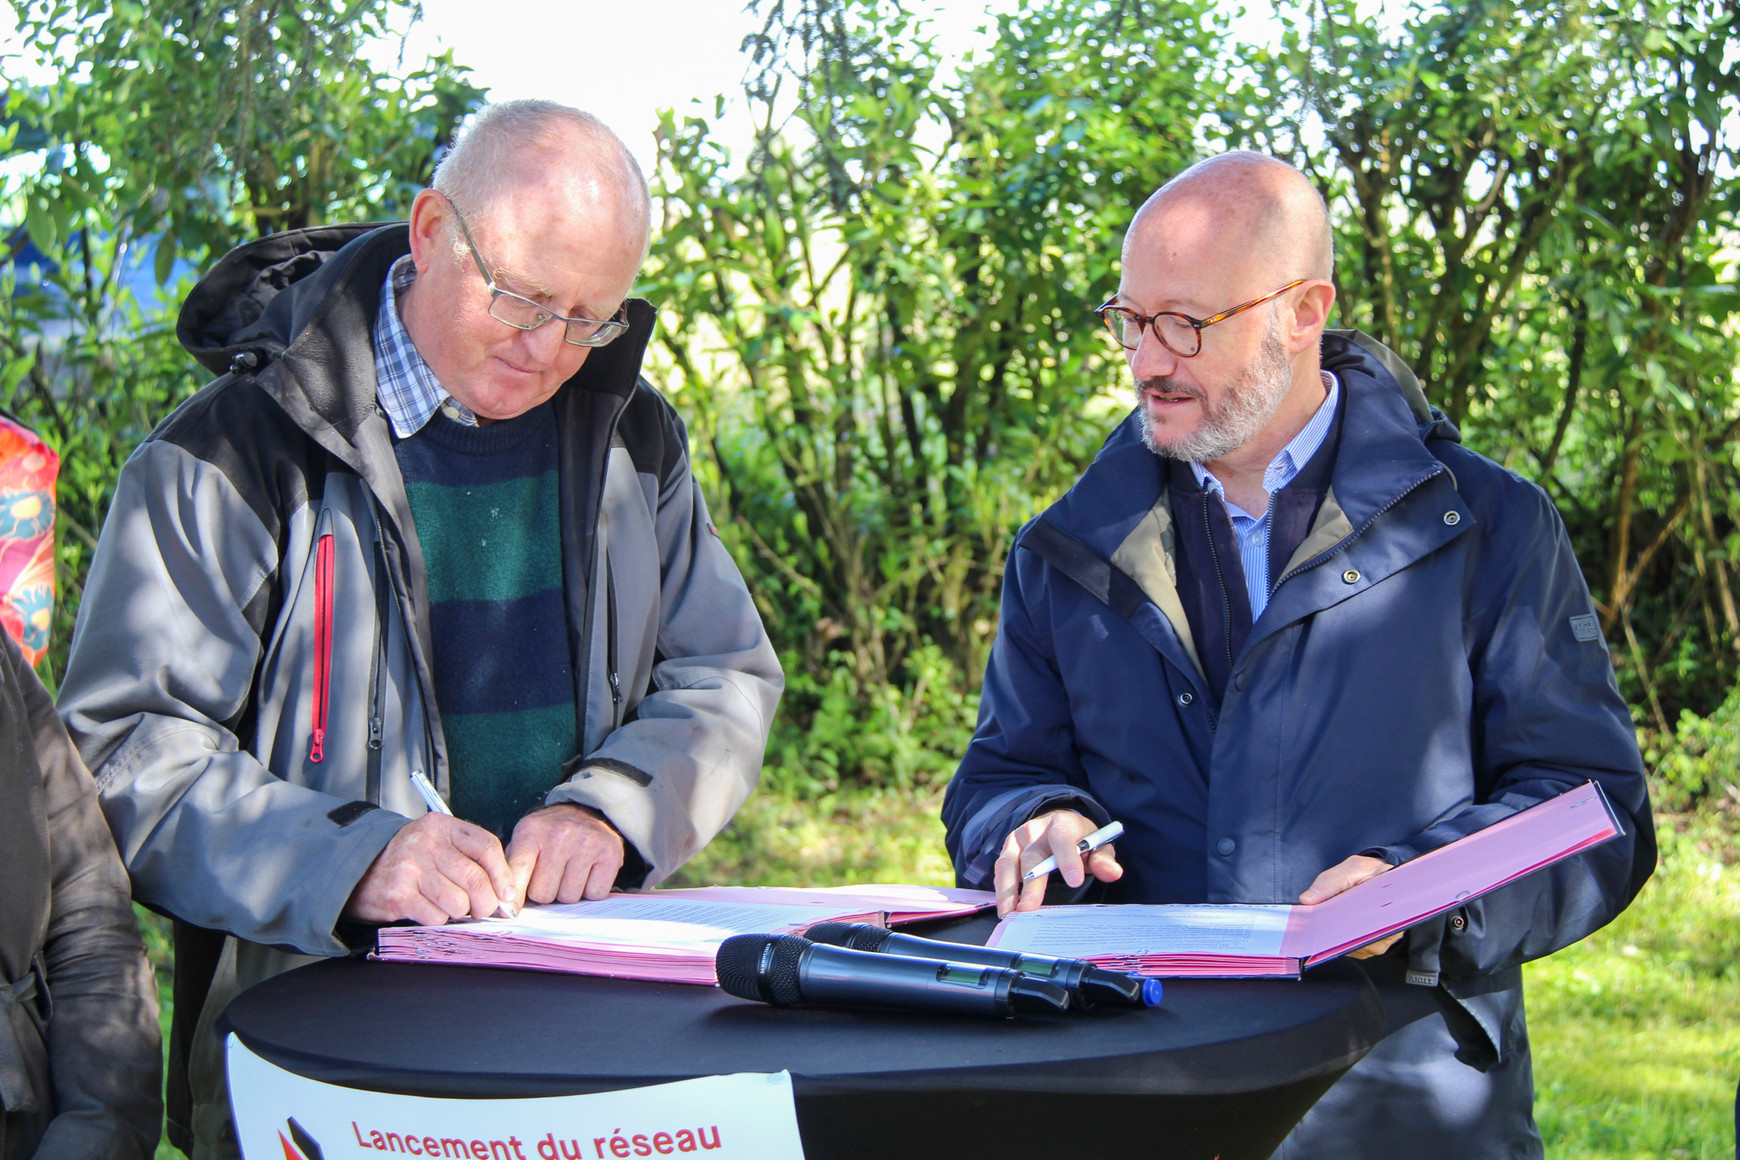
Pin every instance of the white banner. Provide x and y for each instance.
(284, 1116)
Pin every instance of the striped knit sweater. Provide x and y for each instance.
(484, 500)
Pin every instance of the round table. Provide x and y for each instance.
(1221, 1068)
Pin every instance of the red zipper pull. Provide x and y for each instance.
(323, 568)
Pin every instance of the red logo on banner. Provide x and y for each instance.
(304, 1148)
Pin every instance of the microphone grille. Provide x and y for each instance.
(858, 936)
(741, 971)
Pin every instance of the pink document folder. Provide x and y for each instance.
(1244, 940)
(664, 935)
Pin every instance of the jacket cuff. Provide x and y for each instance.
(635, 865)
(979, 871)
(1394, 855)
(350, 865)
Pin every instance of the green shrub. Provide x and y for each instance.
(1699, 761)
(832, 732)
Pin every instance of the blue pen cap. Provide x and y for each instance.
(1152, 989)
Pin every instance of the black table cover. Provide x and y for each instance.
(1221, 1068)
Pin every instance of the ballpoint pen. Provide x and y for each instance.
(1092, 842)
(426, 790)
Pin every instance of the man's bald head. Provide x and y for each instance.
(538, 218)
(1247, 210)
(1240, 243)
(515, 145)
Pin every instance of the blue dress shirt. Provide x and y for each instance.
(1253, 530)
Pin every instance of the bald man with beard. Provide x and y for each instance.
(1291, 633)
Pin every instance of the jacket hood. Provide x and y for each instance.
(247, 302)
(1345, 350)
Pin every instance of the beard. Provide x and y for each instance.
(1245, 408)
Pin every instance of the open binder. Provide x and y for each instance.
(663, 935)
(1236, 940)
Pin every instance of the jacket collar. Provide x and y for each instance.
(1118, 508)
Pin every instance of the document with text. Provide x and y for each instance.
(1219, 940)
(663, 935)
(900, 902)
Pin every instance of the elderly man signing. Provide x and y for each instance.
(428, 521)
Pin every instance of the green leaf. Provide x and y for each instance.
(166, 249)
(39, 224)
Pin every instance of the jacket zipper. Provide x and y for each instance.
(422, 697)
(1268, 557)
(323, 566)
(584, 674)
(378, 665)
(610, 642)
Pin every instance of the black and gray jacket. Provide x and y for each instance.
(259, 579)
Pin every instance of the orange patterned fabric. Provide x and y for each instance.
(28, 468)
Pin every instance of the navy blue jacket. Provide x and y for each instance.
(1428, 664)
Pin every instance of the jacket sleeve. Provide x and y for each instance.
(1022, 760)
(1547, 717)
(161, 677)
(104, 1049)
(670, 777)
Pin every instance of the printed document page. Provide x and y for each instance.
(1210, 939)
(1075, 932)
(635, 936)
(901, 903)
(632, 921)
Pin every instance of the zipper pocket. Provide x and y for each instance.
(323, 567)
(378, 665)
(610, 642)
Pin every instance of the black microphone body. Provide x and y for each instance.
(1089, 984)
(785, 969)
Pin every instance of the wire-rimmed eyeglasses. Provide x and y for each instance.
(524, 314)
(1178, 333)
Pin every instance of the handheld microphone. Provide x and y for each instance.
(785, 969)
(1087, 983)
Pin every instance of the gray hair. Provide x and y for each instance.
(479, 170)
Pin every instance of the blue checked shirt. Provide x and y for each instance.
(1253, 531)
(408, 390)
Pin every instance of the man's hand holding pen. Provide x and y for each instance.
(1053, 835)
(439, 868)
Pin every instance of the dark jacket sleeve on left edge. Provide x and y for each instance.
(105, 1061)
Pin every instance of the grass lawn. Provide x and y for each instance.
(1636, 1030)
